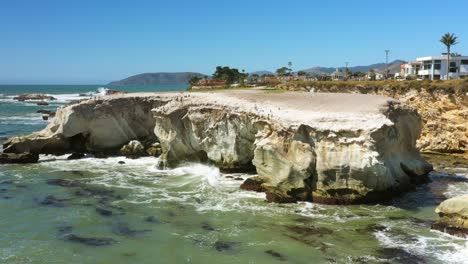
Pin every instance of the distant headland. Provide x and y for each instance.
(161, 78)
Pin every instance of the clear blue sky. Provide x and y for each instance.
(96, 41)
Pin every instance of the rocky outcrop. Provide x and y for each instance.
(329, 148)
(133, 149)
(338, 150)
(26, 97)
(453, 216)
(92, 126)
(19, 158)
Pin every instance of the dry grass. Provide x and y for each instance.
(451, 87)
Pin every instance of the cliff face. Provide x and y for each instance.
(444, 111)
(331, 148)
(91, 126)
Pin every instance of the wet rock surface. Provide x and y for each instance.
(22, 158)
(33, 96)
(453, 216)
(76, 156)
(134, 149)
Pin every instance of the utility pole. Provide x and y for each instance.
(346, 70)
(386, 63)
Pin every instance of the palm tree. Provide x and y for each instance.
(448, 39)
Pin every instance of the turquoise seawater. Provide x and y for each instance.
(100, 211)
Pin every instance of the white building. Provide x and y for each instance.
(410, 69)
(377, 75)
(435, 67)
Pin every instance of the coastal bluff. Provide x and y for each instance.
(321, 147)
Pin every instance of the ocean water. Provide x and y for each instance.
(100, 211)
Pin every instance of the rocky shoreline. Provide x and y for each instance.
(326, 148)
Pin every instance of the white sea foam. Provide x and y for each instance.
(201, 186)
(61, 98)
(446, 248)
(102, 91)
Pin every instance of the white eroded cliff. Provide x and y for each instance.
(332, 148)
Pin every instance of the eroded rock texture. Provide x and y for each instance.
(330, 148)
(453, 216)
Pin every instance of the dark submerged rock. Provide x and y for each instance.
(53, 201)
(151, 219)
(207, 226)
(103, 212)
(21, 158)
(63, 183)
(400, 256)
(64, 229)
(96, 191)
(90, 241)
(372, 228)
(6, 182)
(276, 255)
(46, 112)
(76, 156)
(123, 229)
(223, 246)
(121, 162)
(42, 103)
(444, 226)
(33, 96)
(253, 184)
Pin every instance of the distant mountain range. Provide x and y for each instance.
(162, 78)
(393, 66)
(182, 78)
